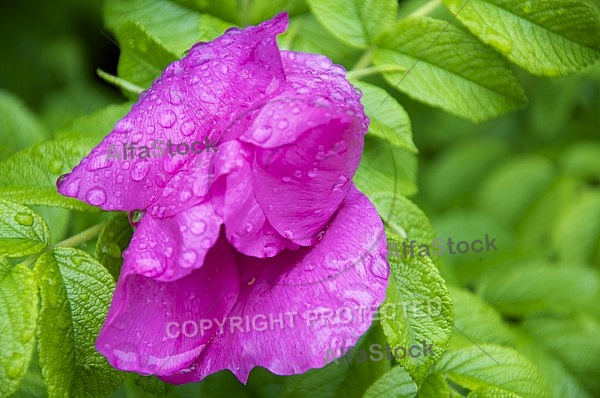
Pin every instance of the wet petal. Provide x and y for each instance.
(156, 327)
(295, 307)
(170, 248)
(208, 93)
(246, 226)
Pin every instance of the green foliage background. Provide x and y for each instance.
(494, 130)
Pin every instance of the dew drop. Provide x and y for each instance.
(96, 196)
(282, 124)
(297, 174)
(167, 118)
(248, 227)
(139, 170)
(312, 173)
(262, 134)
(188, 128)
(188, 258)
(339, 184)
(72, 188)
(205, 243)
(288, 234)
(60, 180)
(198, 227)
(123, 126)
(286, 179)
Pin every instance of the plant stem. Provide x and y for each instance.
(364, 61)
(426, 8)
(73, 241)
(358, 73)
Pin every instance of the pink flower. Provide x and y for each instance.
(262, 253)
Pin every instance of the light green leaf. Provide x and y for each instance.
(546, 37)
(434, 386)
(113, 239)
(417, 280)
(18, 316)
(255, 12)
(573, 340)
(577, 234)
(345, 377)
(581, 160)
(355, 22)
(173, 25)
(532, 174)
(22, 231)
(19, 127)
(452, 175)
(395, 383)
(477, 321)
(490, 366)
(76, 292)
(389, 121)
(143, 57)
(541, 288)
(29, 176)
(305, 34)
(452, 69)
(211, 27)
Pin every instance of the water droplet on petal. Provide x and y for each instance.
(282, 124)
(297, 174)
(288, 234)
(123, 126)
(188, 128)
(205, 243)
(286, 179)
(312, 173)
(188, 258)
(167, 118)
(248, 227)
(60, 180)
(262, 134)
(198, 227)
(96, 196)
(339, 184)
(139, 170)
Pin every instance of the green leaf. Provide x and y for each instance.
(573, 340)
(389, 121)
(212, 27)
(577, 234)
(549, 37)
(29, 176)
(255, 12)
(452, 69)
(346, 377)
(173, 25)
(113, 239)
(18, 315)
(581, 160)
(22, 231)
(452, 175)
(143, 57)
(305, 34)
(434, 386)
(528, 289)
(477, 321)
(490, 366)
(395, 383)
(533, 174)
(76, 292)
(417, 280)
(20, 128)
(355, 22)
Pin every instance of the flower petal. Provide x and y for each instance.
(309, 141)
(246, 226)
(208, 93)
(296, 306)
(171, 248)
(153, 327)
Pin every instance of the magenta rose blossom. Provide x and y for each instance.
(260, 253)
